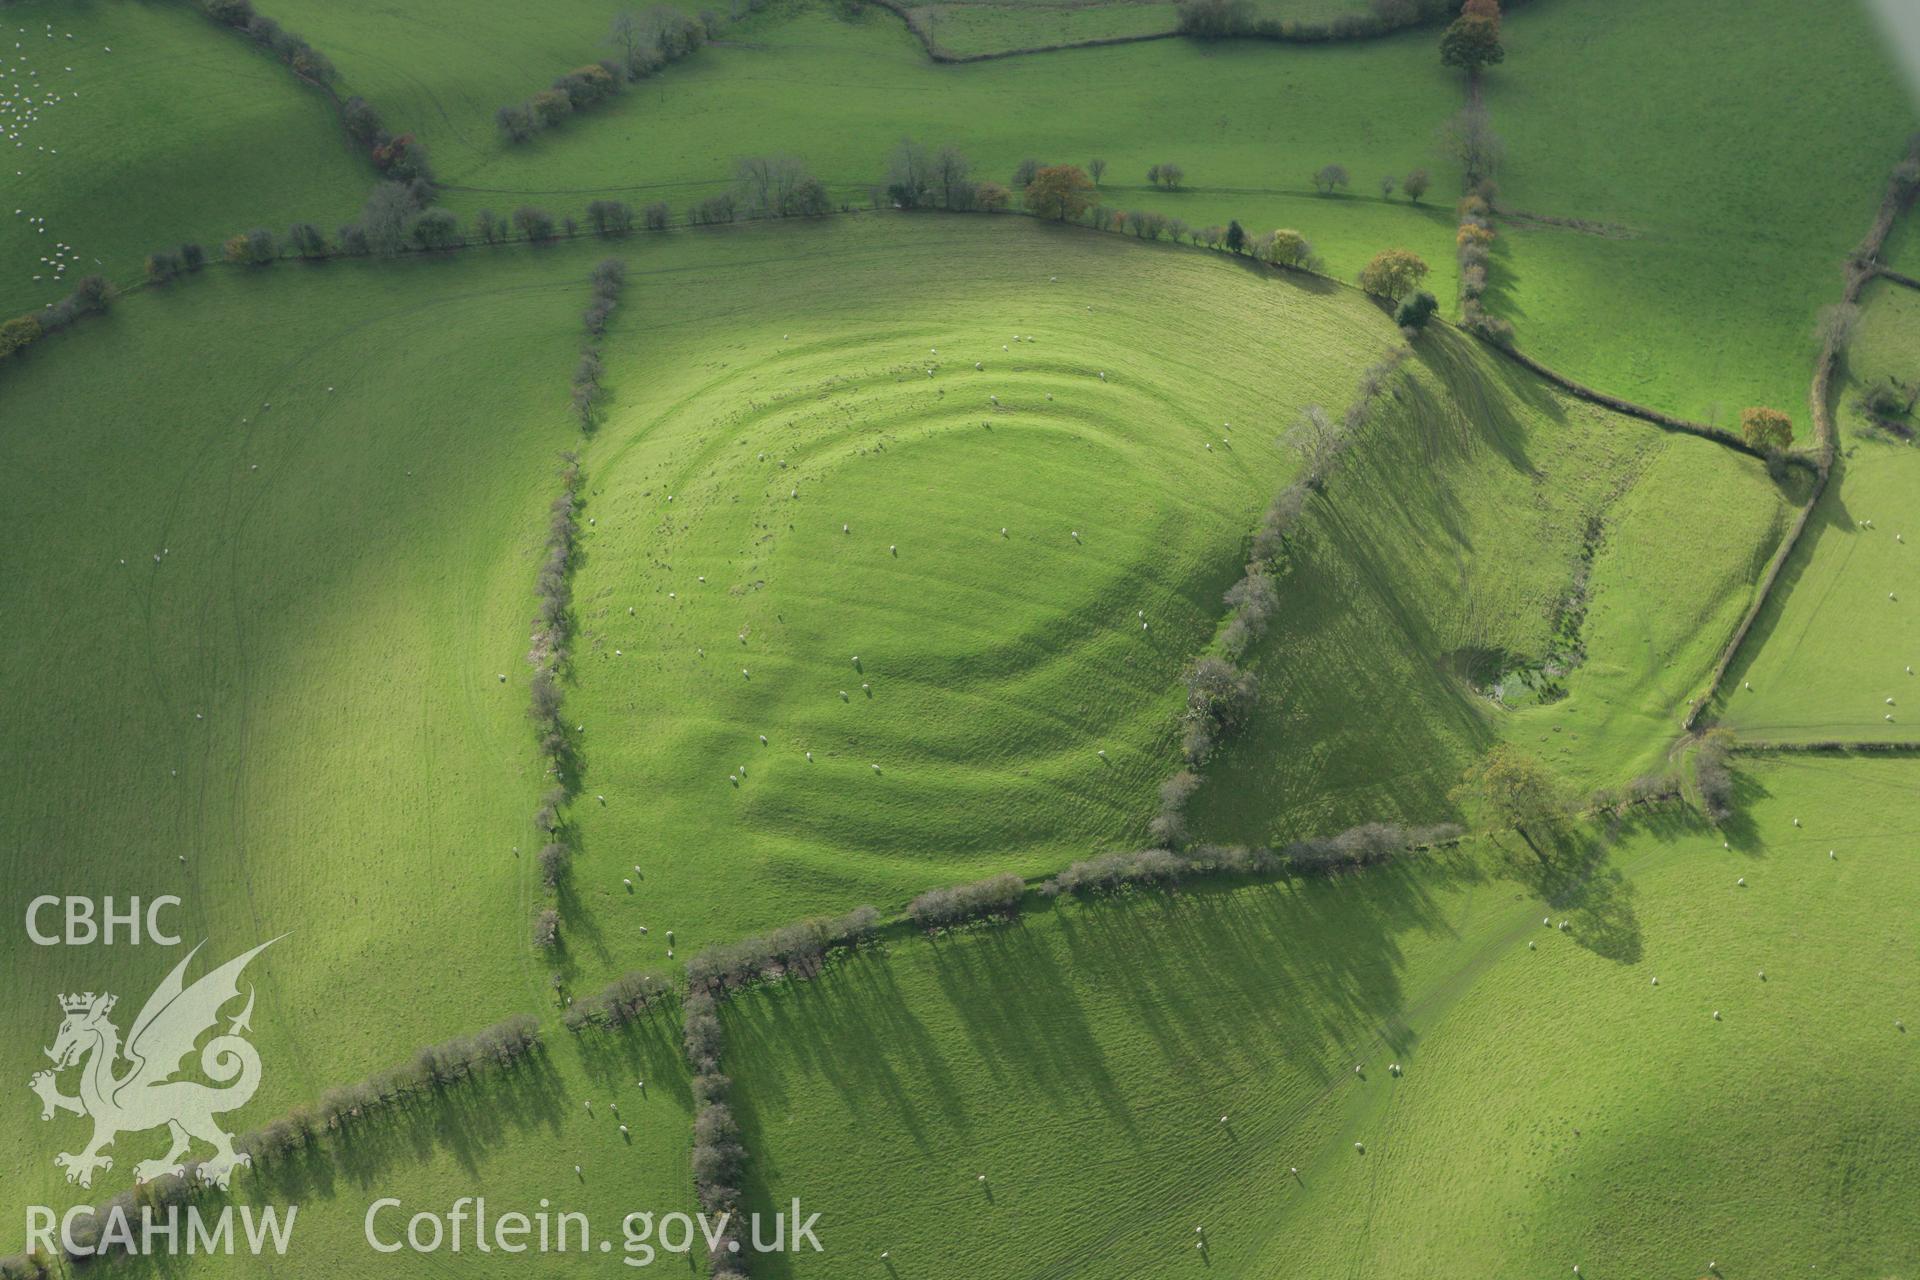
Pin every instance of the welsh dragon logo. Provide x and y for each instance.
(144, 1095)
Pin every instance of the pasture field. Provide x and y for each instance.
(1557, 1107)
(803, 467)
(899, 534)
(841, 93)
(166, 129)
(1694, 294)
(292, 718)
(1832, 654)
(1722, 240)
(511, 1140)
(1489, 537)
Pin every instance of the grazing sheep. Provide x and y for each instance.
(1716, 1015)
(763, 739)
(1533, 946)
(1742, 882)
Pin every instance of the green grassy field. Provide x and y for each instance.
(1699, 303)
(899, 531)
(167, 129)
(840, 93)
(1832, 653)
(763, 402)
(1484, 531)
(292, 719)
(1731, 235)
(1556, 1107)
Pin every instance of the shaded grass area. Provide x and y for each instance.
(169, 129)
(1486, 535)
(292, 718)
(1550, 1099)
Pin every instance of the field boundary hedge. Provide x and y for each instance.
(1860, 267)
(1347, 28)
(1825, 746)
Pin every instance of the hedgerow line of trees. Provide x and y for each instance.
(608, 278)
(400, 157)
(502, 1047)
(91, 295)
(1221, 694)
(617, 1004)
(548, 654)
(643, 43)
(1241, 19)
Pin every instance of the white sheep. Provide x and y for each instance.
(763, 739)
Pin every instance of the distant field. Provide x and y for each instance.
(840, 94)
(1838, 640)
(1556, 1108)
(969, 28)
(293, 718)
(1445, 558)
(1699, 303)
(181, 132)
(1734, 234)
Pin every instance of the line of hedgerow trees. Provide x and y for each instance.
(642, 42)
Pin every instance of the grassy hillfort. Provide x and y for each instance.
(1095, 637)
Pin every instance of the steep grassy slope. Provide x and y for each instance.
(254, 652)
(1488, 537)
(1557, 1107)
(166, 129)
